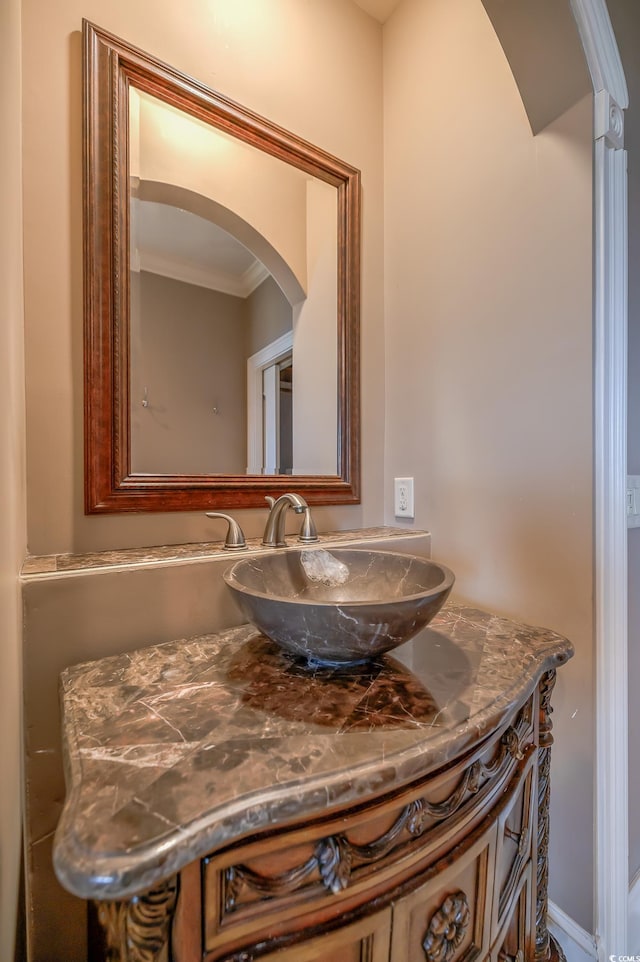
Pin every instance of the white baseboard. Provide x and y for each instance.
(577, 944)
(634, 916)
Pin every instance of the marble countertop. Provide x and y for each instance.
(177, 749)
(38, 565)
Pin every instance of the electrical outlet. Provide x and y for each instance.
(633, 501)
(403, 497)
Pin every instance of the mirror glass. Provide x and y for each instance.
(221, 297)
(233, 303)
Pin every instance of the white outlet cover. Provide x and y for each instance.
(633, 501)
(403, 498)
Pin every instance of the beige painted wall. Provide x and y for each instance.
(12, 499)
(268, 315)
(626, 24)
(488, 330)
(488, 347)
(315, 332)
(189, 352)
(315, 69)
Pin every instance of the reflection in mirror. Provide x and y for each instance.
(208, 316)
(221, 270)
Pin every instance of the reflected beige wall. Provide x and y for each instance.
(315, 334)
(489, 364)
(250, 51)
(189, 354)
(268, 315)
(12, 495)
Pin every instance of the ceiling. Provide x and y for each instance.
(185, 247)
(378, 9)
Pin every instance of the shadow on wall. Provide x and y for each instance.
(536, 35)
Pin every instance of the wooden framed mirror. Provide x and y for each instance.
(221, 298)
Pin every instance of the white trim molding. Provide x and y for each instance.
(256, 364)
(612, 845)
(634, 914)
(600, 49)
(610, 466)
(578, 945)
(608, 120)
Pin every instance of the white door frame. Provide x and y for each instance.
(270, 418)
(610, 472)
(256, 364)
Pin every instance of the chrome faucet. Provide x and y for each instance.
(274, 529)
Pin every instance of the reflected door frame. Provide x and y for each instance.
(256, 364)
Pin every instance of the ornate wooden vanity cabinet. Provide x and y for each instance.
(411, 824)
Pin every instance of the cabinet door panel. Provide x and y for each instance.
(449, 915)
(516, 941)
(363, 941)
(516, 831)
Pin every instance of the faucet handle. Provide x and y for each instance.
(270, 501)
(308, 531)
(235, 538)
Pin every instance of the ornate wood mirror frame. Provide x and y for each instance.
(110, 67)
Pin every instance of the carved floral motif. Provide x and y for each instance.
(512, 743)
(447, 928)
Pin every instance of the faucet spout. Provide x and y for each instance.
(274, 529)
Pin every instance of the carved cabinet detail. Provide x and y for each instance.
(341, 865)
(448, 917)
(364, 941)
(445, 865)
(516, 939)
(515, 838)
(443, 870)
(447, 928)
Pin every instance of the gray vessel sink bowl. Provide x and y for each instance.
(340, 606)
